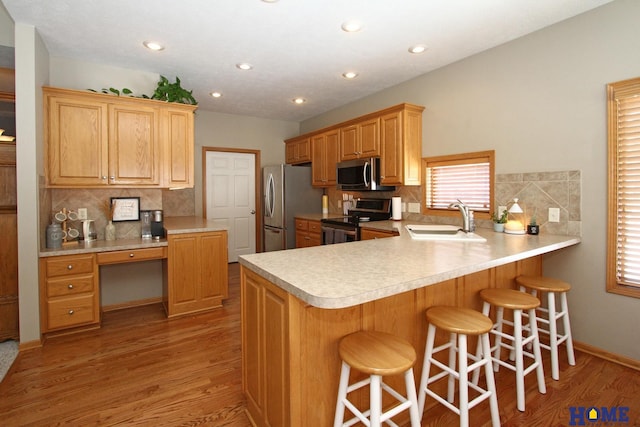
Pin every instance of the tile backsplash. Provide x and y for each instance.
(536, 192)
(172, 202)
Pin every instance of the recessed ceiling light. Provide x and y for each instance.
(244, 66)
(419, 48)
(270, 1)
(350, 75)
(352, 26)
(299, 100)
(153, 45)
(216, 94)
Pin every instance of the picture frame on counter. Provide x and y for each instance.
(125, 208)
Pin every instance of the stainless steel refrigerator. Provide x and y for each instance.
(287, 192)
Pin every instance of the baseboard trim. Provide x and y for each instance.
(29, 345)
(603, 354)
(131, 304)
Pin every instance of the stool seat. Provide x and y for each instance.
(510, 298)
(459, 323)
(550, 316)
(543, 284)
(377, 353)
(459, 320)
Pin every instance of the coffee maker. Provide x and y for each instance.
(157, 224)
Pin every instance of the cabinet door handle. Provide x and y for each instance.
(112, 178)
(69, 267)
(104, 177)
(70, 286)
(70, 312)
(131, 255)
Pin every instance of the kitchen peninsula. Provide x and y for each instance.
(297, 304)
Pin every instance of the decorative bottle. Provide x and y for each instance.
(110, 231)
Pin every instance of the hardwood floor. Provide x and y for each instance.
(141, 369)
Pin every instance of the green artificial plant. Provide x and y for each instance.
(173, 92)
(500, 219)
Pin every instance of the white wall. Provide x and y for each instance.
(6, 28)
(539, 101)
(32, 71)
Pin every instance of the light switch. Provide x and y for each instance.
(414, 207)
(82, 214)
(554, 214)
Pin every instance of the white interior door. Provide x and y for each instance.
(230, 198)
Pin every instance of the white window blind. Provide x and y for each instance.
(468, 180)
(627, 217)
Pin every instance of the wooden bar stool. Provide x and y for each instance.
(460, 323)
(377, 354)
(550, 316)
(518, 302)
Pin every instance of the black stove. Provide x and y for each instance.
(347, 228)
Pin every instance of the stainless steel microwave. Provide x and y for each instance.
(361, 175)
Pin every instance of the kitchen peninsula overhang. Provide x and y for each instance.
(345, 275)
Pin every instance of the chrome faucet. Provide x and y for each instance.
(464, 211)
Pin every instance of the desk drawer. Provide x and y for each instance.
(66, 312)
(72, 264)
(69, 286)
(133, 255)
(302, 224)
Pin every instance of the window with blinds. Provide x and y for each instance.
(623, 246)
(466, 177)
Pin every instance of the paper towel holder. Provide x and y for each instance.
(396, 208)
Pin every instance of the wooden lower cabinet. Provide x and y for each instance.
(69, 293)
(195, 274)
(368, 234)
(290, 360)
(308, 233)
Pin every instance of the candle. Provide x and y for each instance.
(513, 226)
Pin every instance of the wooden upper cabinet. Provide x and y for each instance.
(361, 139)
(401, 141)
(95, 140)
(134, 145)
(76, 135)
(324, 156)
(298, 150)
(178, 148)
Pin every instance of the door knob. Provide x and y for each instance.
(253, 211)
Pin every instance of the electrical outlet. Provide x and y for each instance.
(404, 207)
(414, 207)
(554, 214)
(82, 214)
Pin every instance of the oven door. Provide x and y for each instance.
(333, 233)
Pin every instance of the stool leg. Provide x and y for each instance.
(537, 354)
(553, 335)
(491, 385)
(451, 384)
(498, 342)
(375, 397)
(464, 378)
(517, 338)
(342, 394)
(428, 353)
(411, 396)
(567, 329)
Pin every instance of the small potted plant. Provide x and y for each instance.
(499, 221)
(533, 227)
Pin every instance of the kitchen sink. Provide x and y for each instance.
(442, 232)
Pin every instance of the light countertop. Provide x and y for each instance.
(172, 225)
(348, 274)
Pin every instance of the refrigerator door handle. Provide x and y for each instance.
(270, 196)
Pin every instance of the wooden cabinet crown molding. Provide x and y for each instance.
(94, 140)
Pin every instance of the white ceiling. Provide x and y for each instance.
(296, 47)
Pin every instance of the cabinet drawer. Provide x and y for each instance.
(74, 311)
(72, 285)
(302, 224)
(133, 255)
(65, 265)
(314, 226)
